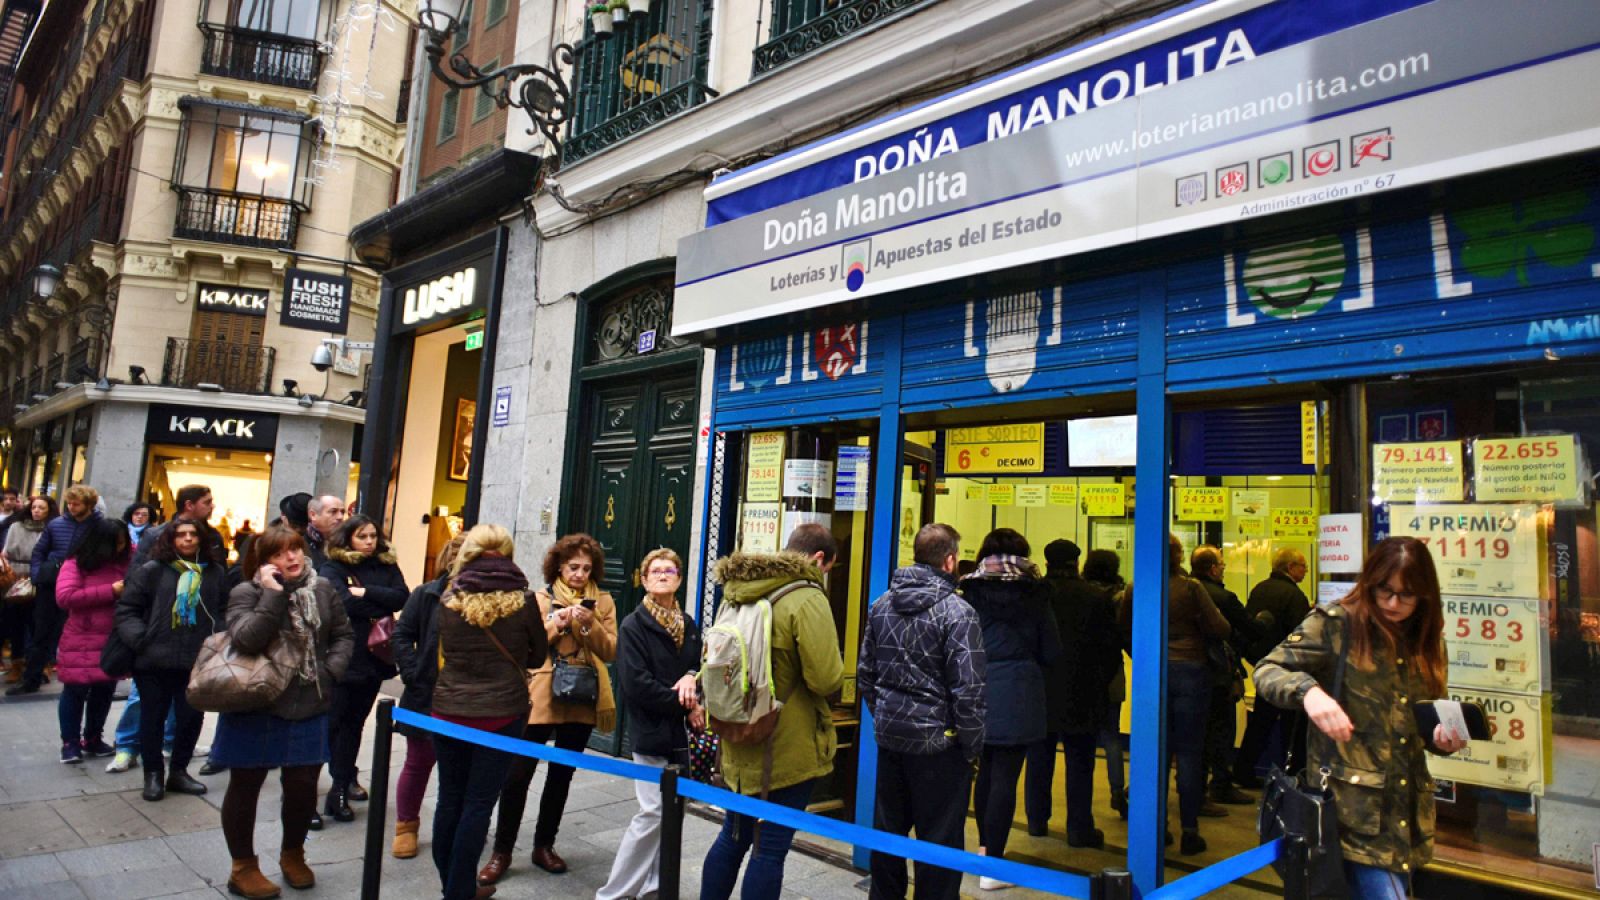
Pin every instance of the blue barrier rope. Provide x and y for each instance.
(1218, 874)
(608, 764)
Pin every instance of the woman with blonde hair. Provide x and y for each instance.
(489, 634)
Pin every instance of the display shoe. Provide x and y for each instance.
(153, 785)
(1094, 838)
(1191, 843)
(298, 875)
(405, 839)
(179, 782)
(246, 880)
(337, 807)
(495, 868)
(547, 859)
(356, 793)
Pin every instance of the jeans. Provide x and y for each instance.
(469, 781)
(764, 879)
(927, 793)
(1372, 883)
(352, 703)
(128, 724)
(1188, 703)
(164, 690)
(1038, 790)
(572, 736)
(413, 780)
(85, 705)
(1222, 723)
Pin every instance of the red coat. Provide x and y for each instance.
(90, 606)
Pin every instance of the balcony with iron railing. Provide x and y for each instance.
(83, 361)
(652, 68)
(224, 217)
(241, 368)
(261, 56)
(801, 27)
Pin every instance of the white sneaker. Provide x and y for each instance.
(122, 762)
(992, 884)
(201, 750)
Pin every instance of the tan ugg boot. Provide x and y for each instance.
(405, 839)
(295, 871)
(247, 881)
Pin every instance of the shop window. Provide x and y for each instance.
(272, 42)
(242, 173)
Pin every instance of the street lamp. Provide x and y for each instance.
(46, 279)
(99, 314)
(538, 90)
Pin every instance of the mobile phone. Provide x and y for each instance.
(588, 603)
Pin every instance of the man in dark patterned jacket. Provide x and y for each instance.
(922, 676)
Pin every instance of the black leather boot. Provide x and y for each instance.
(337, 806)
(154, 785)
(179, 782)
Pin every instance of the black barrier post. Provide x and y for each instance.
(671, 834)
(378, 801)
(1111, 884)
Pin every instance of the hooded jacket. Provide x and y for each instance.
(257, 614)
(416, 645)
(476, 680)
(922, 667)
(1078, 687)
(649, 664)
(90, 604)
(385, 595)
(806, 668)
(144, 616)
(1021, 642)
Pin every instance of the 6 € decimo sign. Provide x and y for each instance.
(1513, 758)
(994, 450)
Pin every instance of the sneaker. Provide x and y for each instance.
(122, 762)
(986, 883)
(201, 750)
(1212, 810)
(98, 749)
(71, 753)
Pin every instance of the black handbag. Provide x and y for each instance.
(572, 682)
(1300, 809)
(116, 657)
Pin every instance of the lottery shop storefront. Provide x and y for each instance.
(1408, 346)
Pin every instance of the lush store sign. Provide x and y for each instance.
(316, 302)
(446, 295)
(1204, 118)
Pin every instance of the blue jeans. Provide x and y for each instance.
(1372, 883)
(1188, 704)
(128, 724)
(82, 710)
(764, 879)
(470, 777)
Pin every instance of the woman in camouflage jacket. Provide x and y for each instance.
(1367, 741)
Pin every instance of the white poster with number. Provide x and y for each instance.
(1513, 758)
(758, 527)
(1493, 643)
(1481, 549)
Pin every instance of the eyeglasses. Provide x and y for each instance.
(1384, 593)
(668, 572)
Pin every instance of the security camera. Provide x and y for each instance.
(322, 358)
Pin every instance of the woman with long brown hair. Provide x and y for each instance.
(1389, 629)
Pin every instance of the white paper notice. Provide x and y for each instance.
(1451, 717)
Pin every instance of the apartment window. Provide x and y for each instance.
(483, 103)
(497, 11)
(267, 41)
(464, 33)
(801, 27)
(449, 109)
(241, 173)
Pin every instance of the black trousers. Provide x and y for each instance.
(572, 736)
(16, 621)
(1264, 721)
(995, 797)
(159, 691)
(1222, 724)
(1038, 786)
(928, 794)
(352, 703)
(47, 621)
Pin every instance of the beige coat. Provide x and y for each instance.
(599, 645)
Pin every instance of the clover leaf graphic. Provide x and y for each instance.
(1509, 237)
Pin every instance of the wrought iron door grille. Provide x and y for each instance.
(261, 56)
(241, 368)
(800, 27)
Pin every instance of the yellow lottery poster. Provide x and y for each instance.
(1032, 494)
(1292, 523)
(1513, 757)
(1063, 495)
(1001, 494)
(1484, 550)
(1423, 472)
(1104, 499)
(1526, 468)
(1202, 504)
(1250, 526)
(977, 492)
(994, 450)
(763, 481)
(1493, 643)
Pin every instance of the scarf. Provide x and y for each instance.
(1004, 567)
(487, 574)
(305, 620)
(605, 711)
(185, 604)
(670, 618)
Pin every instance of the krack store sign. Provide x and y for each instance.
(234, 299)
(208, 426)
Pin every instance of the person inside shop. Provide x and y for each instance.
(922, 675)
(195, 504)
(16, 616)
(1077, 694)
(490, 634)
(366, 579)
(44, 566)
(1102, 569)
(87, 591)
(657, 661)
(1278, 604)
(1225, 660)
(280, 598)
(1021, 642)
(324, 515)
(416, 655)
(807, 668)
(1389, 630)
(581, 621)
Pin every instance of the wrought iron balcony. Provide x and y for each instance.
(800, 27)
(241, 368)
(228, 218)
(83, 362)
(261, 56)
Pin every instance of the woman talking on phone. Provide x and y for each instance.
(1389, 631)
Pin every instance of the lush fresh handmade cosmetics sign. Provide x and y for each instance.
(1427, 92)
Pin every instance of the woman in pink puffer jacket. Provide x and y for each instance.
(87, 591)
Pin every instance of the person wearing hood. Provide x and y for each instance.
(581, 623)
(280, 598)
(90, 583)
(806, 668)
(1022, 643)
(921, 675)
(491, 630)
(17, 615)
(365, 578)
(49, 554)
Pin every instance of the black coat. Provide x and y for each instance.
(1281, 598)
(416, 646)
(648, 665)
(386, 594)
(144, 616)
(1020, 642)
(1078, 687)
